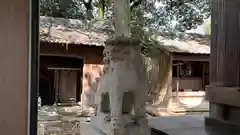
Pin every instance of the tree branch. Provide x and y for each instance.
(88, 4)
(135, 3)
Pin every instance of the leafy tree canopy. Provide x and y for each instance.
(148, 16)
(164, 15)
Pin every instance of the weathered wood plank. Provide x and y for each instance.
(225, 50)
(223, 95)
(225, 58)
(14, 39)
(232, 49)
(182, 57)
(217, 42)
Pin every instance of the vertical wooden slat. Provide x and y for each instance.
(217, 42)
(215, 59)
(225, 53)
(203, 75)
(213, 43)
(14, 66)
(79, 89)
(231, 65)
(224, 43)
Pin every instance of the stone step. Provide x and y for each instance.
(178, 125)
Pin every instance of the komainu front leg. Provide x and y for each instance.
(139, 104)
(116, 100)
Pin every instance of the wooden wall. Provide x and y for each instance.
(92, 68)
(225, 57)
(187, 83)
(67, 86)
(90, 54)
(14, 66)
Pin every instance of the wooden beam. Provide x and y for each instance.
(14, 67)
(190, 57)
(178, 64)
(225, 67)
(223, 95)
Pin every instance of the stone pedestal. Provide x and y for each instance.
(122, 90)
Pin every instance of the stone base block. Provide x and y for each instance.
(86, 128)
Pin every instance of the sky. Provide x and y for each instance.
(199, 29)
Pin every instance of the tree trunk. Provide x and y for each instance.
(160, 77)
(101, 9)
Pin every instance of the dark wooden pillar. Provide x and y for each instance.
(223, 92)
(79, 84)
(17, 75)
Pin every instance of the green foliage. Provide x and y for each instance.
(62, 8)
(188, 13)
(178, 15)
(151, 47)
(207, 27)
(101, 8)
(170, 16)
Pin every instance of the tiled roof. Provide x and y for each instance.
(190, 43)
(72, 31)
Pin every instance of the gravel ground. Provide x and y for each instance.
(59, 121)
(58, 128)
(70, 125)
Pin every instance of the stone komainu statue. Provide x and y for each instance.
(122, 90)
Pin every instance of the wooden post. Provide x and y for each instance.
(170, 82)
(18, 68)
(203, 65)
(56, 83)
(79, 89)
(223, 93)
(178, 80)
